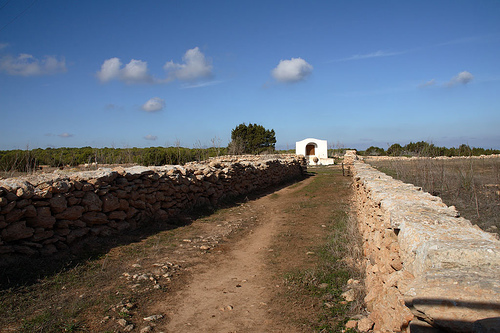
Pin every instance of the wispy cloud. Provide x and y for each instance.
(112, 106)
(65, 135)
(427, 84)
(377, 54)
(28, 65)
(151, 137)
(461, 78)
(200, 85)
(375, 92)
(472, 39)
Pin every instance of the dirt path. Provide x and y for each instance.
(233, 295)
(244, 290)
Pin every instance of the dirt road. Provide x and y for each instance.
(233, 294)
(245, 289)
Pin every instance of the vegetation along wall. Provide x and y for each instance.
(43, 214)
(425, 265)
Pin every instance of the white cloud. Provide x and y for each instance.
(195, 66)
(293, 70)
(462, 78)
(3, 45)
(154, 104)
(427, 84)
(151, 137)
(28, 65)
(110, 70)
(136, 71)
(65, 135)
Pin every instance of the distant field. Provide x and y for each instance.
(472, 185)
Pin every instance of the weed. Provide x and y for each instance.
(336, 254)
(72, 327)
(124, 315)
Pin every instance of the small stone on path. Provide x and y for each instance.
(351, 324)
(153, 317)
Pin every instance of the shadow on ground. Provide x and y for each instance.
(25, 271)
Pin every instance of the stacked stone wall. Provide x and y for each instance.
(44, 214)
(404, 158)
(425, 265)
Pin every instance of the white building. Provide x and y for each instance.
(314, 150)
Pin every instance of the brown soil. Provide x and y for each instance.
(221, 273)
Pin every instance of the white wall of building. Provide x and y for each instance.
(320, 151)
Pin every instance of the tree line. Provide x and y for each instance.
(30, 160)
(425, 149)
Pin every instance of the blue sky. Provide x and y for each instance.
(156, 73)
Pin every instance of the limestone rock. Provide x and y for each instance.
(351, 324)
(91, 202)
(43, 219)
(365, 324)
(95, 218)
(455, 299)
(17, 230)
(71, 213)
(110, 203)
(77, 233)
(58, 203)
(61, 186)
(117, 215)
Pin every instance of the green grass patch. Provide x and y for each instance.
(336, 255)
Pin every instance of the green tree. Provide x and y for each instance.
(395, 150)
(374, 151)
(464, 150)
(251, 139)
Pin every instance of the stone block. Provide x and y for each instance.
(458, 254)
(110, 203)
(71, 213)
(117, 215)
(453, 299)
(58, 203)
(75, 234)
(92, 218)
(17, 230)
(91, 202)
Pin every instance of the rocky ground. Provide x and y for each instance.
(276, 262)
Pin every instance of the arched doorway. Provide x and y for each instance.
(311, 149)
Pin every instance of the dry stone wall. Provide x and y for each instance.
(43, 214)
(423, 261)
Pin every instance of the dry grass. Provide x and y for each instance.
(472, 185)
